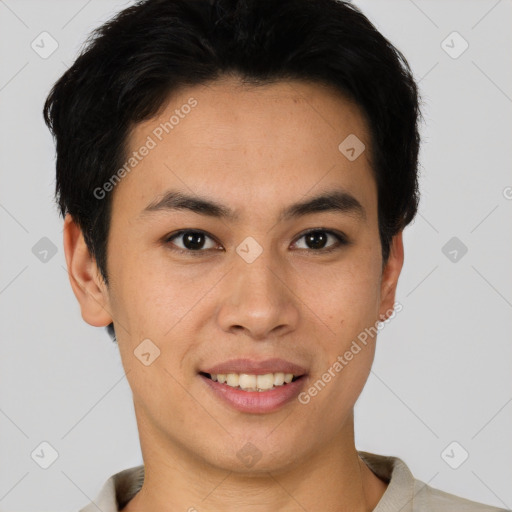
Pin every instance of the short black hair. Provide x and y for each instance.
(131, 64)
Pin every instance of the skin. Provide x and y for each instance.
(257, 150)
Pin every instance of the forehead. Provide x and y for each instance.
(231, 107)
(256, 143)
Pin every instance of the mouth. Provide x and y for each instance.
(252, 382)
(254, 386)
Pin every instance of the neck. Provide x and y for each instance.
(333, 479)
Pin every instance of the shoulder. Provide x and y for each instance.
(118, 490)
(405, 493)
(427, 499)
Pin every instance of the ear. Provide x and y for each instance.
(84, 276)
(390, 274)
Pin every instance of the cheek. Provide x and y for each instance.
(161, 301)
(347, 299)
(140, 297)
(345, 294)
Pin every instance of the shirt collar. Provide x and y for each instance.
(399, 494)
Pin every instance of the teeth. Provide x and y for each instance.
(232, 379)
(278, 379)
(265, 381)
(249, 382)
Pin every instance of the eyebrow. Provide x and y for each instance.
(337, 200)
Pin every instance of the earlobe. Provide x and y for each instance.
(390, 275)
(84, 276)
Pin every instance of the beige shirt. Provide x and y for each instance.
(403, 494)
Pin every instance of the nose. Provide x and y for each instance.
(258, 299)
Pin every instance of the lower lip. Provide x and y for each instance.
(256, 401)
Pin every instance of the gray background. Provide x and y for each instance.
(442, 369)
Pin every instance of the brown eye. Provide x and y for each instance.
(195, 242)
(317, 239)
(190, 240)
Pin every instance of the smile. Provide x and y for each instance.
(249, 382)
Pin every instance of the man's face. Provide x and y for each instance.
(256, 287)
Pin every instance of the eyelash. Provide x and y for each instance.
(341, 240)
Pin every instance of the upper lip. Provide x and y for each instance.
(254, 367)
